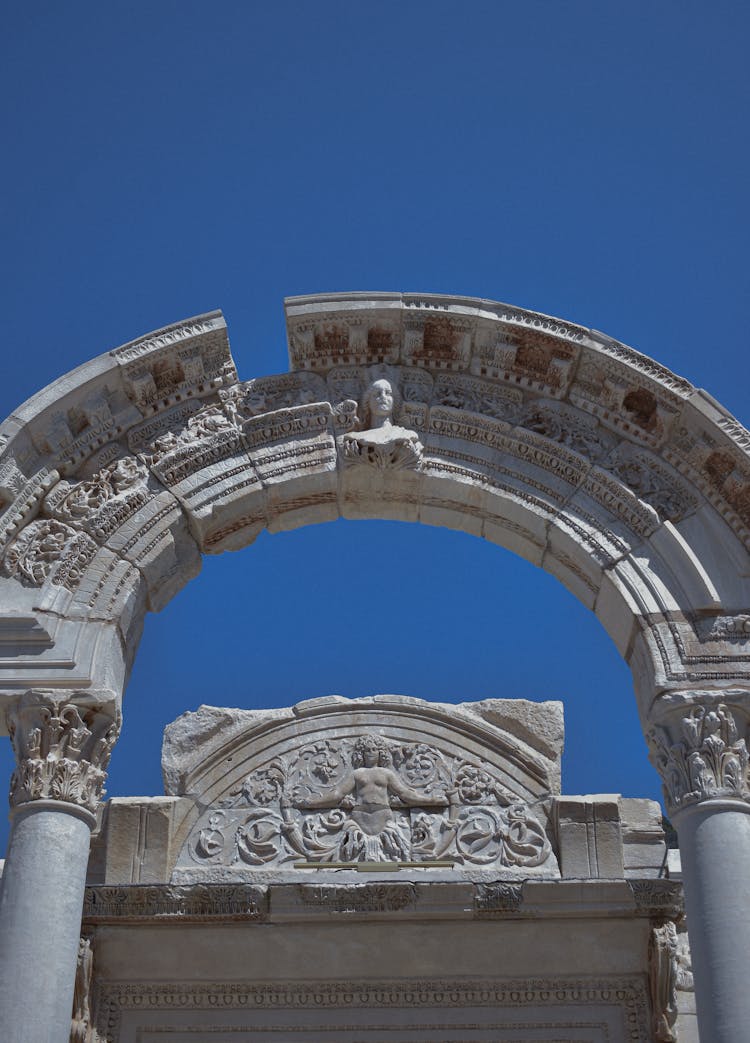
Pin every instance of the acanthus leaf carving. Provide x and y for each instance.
(701, 757)
(649, 481)
(367, 799)
(47, 548)
(62, 749)
(101, 503)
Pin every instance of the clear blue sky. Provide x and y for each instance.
(586, 159)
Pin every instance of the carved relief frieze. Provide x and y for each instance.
(366, 799)
(12, 480)
(570, 427)
(47, 548)
(62, 749)
(639, 516)
(684, 982)
(701, 755)
(330, 339)
(436, 340)
(472, 395)
(107, 903)
(299, 422)
(497, 899)
(267, 394)
(660, 899)
(644, 411)
(359, 898)
(100, 504)
(549, 996)
(142, 436)
(71, 435)
(651, 481)
(21, 508)
(734, 629)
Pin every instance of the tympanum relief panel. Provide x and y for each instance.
(367, 799)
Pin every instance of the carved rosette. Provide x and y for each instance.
(62, 749)
(701, 754)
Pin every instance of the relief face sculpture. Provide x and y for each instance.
(365, 798)
(382, 444)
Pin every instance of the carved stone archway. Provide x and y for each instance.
(564, 446)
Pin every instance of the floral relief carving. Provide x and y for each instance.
(703, 758)
(62, 749)
(205, 437)
(368, 799)
(650, 482)
(579, 433)
(101, 503)
(45, 548)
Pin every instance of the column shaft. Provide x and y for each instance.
(40, 922)
(715, 851)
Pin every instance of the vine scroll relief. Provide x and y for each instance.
(364, 799)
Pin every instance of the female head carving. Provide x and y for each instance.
(372, 749)
(378, 403)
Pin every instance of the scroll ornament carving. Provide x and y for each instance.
(364, 799)
(709, 760)
(382, 444)
(62, 750)
(102, 502)
(576, 432)
(649, 482)
(663, 981)
(44, 544)
(206, 423)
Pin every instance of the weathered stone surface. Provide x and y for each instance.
(381, 780)
(557, 442)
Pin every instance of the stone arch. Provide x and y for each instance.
(557, 442)
(562, 445)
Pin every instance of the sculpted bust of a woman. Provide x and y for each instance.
(382, 444)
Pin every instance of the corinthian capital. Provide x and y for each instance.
(62, 748)
(698, 746)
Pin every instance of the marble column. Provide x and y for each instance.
(699, 746)
(62, 751)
